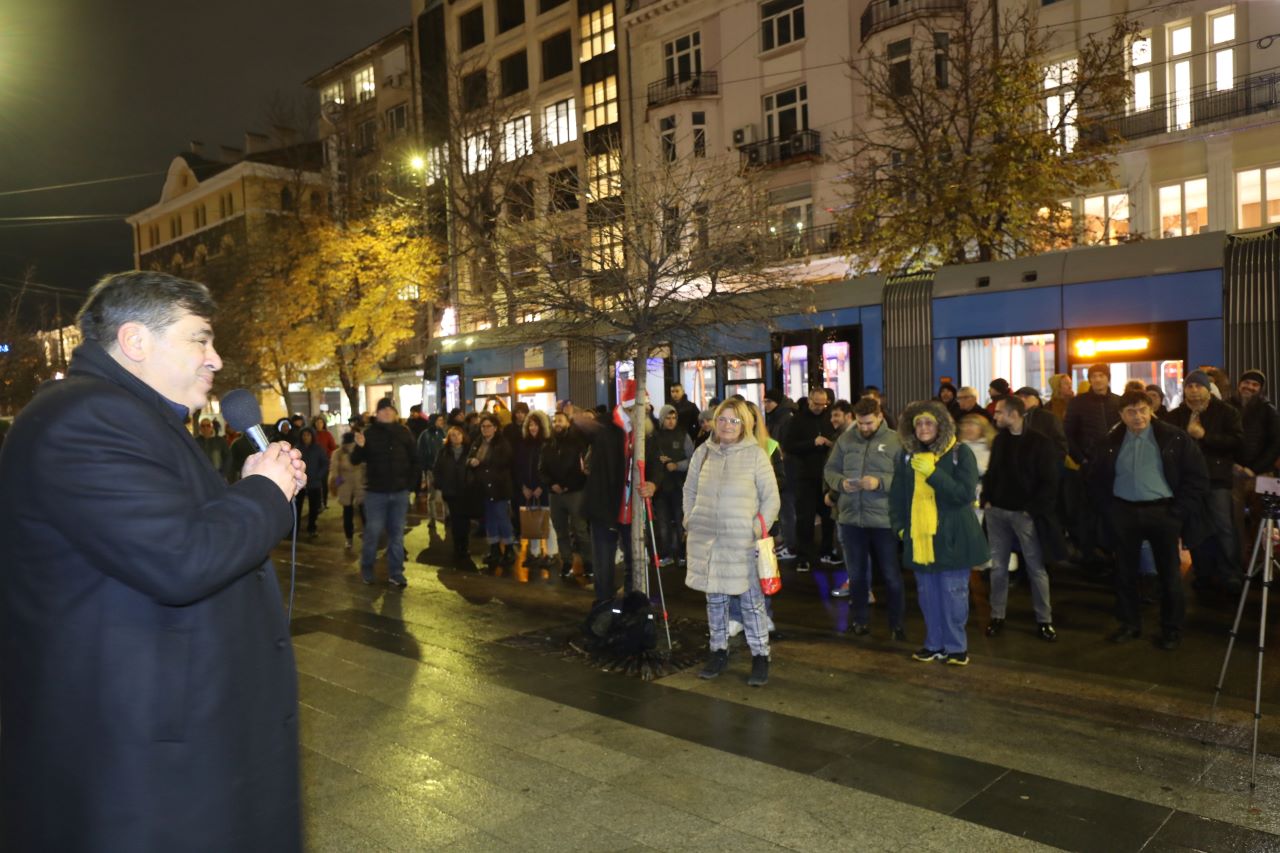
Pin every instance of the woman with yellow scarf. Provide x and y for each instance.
(931, 509)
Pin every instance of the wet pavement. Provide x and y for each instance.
(423, 727)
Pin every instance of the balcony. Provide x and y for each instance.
(1256, 94)
(790, 242)
(801, 145)
(671, 89)
(882, 14)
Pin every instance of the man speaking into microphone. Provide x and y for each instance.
(148, 696)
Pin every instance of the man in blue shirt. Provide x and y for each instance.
(1150, 483)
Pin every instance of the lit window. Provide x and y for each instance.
(1180, 77)
(517, 138)
(476, 152)
(597, 33)
(1024, 360)
(1060, 103)
(781, 22)
(604, 175)
(606, 247)
(600, 103)
(364, 84)
(1257, 197)
(1222, 32)
(1141, 62)
(332, 94)
(560, 122)
(1106, 219)
(1184, 208)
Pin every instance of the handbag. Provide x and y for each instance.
(767, 562)
(535, 522)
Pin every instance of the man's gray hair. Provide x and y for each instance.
(154, 299)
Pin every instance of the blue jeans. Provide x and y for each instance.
(497, 522)
(384, 511)
(944, 603)
(1003, 527)
(879, 543)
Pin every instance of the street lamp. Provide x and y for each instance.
(417, 162)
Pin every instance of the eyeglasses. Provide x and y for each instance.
(728, 421)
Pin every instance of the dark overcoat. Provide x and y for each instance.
(148, 695)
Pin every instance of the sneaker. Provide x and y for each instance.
(784, 553)
(840, 591)
(832, 559)
(1047, 633)
(958, 659)
(871, 597)
(366, 581)
(898, 635)
(996, 626)
(1169, 640)
(348, 544)
(735, 628)
(759, 676)
(802, 566)
(398, 584)
(859, 630)
(666, 561)
(1124, 634)
(926, 655)
(715, 664)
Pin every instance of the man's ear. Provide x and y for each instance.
(133, 339)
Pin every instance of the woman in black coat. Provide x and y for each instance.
(490, 463)
(450, 473)
(317, 462)
(532, 492)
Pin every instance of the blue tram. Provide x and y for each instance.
(1154, 310)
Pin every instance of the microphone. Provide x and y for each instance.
(244, 415)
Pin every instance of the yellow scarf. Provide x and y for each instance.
(924, 514)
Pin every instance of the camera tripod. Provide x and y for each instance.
(1264, 548)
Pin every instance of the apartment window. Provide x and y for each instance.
(606, 246)
(604, 175)
(557, 55)
(1140, 60)
(548, 5)
(514, 71)
(1184, 208)
(510, 14)
(667, 131)
(600, 103)
(366, 136)
(397, 120)
(699, 123)
(1106, 219)
(683, 57)
(332, 94)
(517, 138)
(597, 33)
(175, 227)
(562, 188)
(1060, 102)
(1180, 76)
(519, 201)
(201, 215)
(560, 122)
(393, 64)
(286, 199)
(941, 53)
(1222, 32)
(226, 205)
(471, 28)
(1257, 197)
(364, 84)
(153, 235)
(899, 56)
(476, 153)
(475, 90)
(781, 22)
(786, 112)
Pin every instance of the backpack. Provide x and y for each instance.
(624, 627)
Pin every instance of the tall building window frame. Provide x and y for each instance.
(604, 175)
(1104, 219)
(1179, 83)
(600, 103)
(477, 152)
(1222, 55)
(781, 23)
(786, 112)
(698, 123)
(1177, 215)
(682, 57)
(517, 138)
(1060, 108)
(1258, 186)
(1140, 73)
(508, 14)
(667, 137)
(596, 34)
(560, 122)
(942, 60)
(513, 73)
(471, 28)
(364, 84)
(898, 56)
(557, 55)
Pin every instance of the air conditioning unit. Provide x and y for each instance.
(755, 156)
(744, 135)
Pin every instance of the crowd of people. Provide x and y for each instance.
(1116, 486)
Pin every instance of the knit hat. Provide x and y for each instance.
(385, 403)
(1027, 391)
(1198, 377)
(1101, 367)
(1000, 386)
(1255, 374)
(1157, 389)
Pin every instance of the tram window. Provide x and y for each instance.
(489, 387)
(654, 384)
(745, 376)
(795, 371)
(698, 376)
(836, 373)
(452, 391)
(1021, 359)
(1166, 374)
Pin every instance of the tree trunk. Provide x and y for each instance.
(639, 525)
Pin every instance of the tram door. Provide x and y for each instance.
(826, 358)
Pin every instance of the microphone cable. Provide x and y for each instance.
(293, 559)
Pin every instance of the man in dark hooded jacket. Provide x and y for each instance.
(148, 695)
(810, 438)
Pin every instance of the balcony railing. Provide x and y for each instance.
(670, 89)
(882, 14)
(1255, 94)
(803, 144)
(792, 242)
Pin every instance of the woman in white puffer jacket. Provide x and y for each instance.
(730, 488)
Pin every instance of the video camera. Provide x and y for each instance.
(1268, 490)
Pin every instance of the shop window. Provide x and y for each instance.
(1184, 208)
(837, 374)
(1257, 197)
(489, 387)
(795, 371)
(698, 376)
(745, 376)
(1021, 359)
(537, 390)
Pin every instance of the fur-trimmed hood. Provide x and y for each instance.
(946, 426)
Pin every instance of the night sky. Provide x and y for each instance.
(92, 90)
